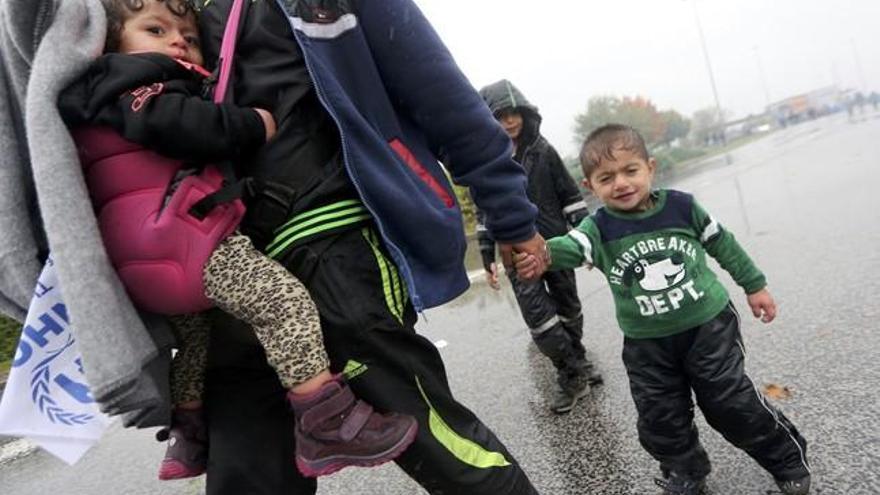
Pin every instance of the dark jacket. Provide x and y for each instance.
(400, 102)
(550, 186)
(300, 170)
(155, 101)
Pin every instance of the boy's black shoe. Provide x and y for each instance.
(795, 487)
(589, 369)
(593, 375)
(676, 484)
(571, 389)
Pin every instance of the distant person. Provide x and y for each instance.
(550, 306)
(147, 87)
(781, 121)
(850, 104)
(681, 332)
(860, 101)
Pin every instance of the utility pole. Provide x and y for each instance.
(763, 76)
(862, 87)
(835, 77)
(711, 79)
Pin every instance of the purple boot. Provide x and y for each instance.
(334, 430)
(187, 452)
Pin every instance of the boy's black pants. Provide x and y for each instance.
(369, 334)
(709, 361)
(552, 311)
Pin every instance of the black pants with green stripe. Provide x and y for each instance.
(369, 334)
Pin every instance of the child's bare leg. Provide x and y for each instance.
(334, 429)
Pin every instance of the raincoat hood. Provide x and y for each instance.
(503, 95)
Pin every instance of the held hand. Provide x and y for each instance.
(526, 266)
(268, 122)
(492, 276)
(763, 306)
(536, 246)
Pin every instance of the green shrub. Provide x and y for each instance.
(468, 208)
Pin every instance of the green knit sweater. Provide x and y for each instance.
(655, 263)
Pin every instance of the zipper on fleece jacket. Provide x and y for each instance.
(395, 252)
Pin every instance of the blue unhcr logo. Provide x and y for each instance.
(57, 380)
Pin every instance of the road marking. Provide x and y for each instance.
(440, 344)
(15, 449)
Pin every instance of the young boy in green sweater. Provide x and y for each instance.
(681, 331)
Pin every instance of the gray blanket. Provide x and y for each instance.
(46, 44)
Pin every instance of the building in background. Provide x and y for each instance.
(808, 106)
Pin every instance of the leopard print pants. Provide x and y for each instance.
(188, 365)
(250, 286)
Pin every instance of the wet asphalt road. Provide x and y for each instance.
(804, 201)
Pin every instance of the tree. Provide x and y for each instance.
(601, 110)
(677, 126)
(707, 126)
(637, 112)
(640, 114)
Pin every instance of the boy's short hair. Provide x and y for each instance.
(119, 11)
(604, 141)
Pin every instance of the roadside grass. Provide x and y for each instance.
(673, 157)
(10, 330)
(709, 153)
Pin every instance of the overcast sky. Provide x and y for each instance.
(562, 52)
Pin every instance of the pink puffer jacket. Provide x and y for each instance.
(158, 252)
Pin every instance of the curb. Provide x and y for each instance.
(15, 449)
(476, 277)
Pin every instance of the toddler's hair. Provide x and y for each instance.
(119, 11)
(604, 141)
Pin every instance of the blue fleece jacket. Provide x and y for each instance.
(402, 104)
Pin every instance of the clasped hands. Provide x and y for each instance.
(530, 258)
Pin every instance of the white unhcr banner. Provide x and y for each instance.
(46, 399)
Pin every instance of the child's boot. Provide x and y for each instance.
(187, 452)
(800, 486)
(677, 484)
(592, 374)
(334, 430)
(573, 385)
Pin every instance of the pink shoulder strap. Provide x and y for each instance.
(227, 50)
